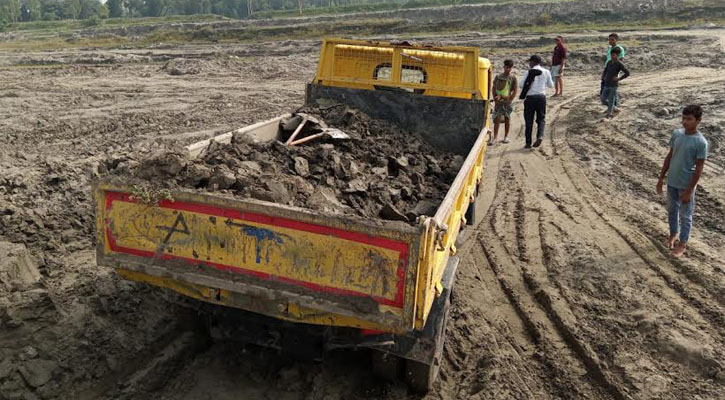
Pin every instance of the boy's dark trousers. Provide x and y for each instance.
(535, 106)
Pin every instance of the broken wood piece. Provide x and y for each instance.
(330, 132)
(307, 139)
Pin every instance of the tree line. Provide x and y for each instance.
(48, 10)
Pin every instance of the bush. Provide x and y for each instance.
(93, 21)
(50, 16)
(544, 19)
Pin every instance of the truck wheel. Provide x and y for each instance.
(386, 366)
(420, 376)
(471, 217)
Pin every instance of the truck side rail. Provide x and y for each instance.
(441, 231)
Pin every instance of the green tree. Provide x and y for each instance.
(32, 10)
(52, 10)
(73, 9)
(205, 7)
(10, 10)
(115, 8)
(227, 8)
(155, 8)
(192, 7)
(93, 9)
(135, 7)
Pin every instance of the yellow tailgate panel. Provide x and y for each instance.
(314, 257)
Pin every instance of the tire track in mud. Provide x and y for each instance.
(558, 311)
(702, 298)
(554, 361)
(506, 337)
(529, 292)
(615, 146)
(506, 365)
(538, 304)
(699, 292)
(663, 272)
(538, 280)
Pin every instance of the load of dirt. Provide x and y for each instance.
(376, 170)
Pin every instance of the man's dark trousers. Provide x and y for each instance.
(535, 106)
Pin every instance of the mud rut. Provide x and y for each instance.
(570, 298)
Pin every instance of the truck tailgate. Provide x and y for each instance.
(272, 259)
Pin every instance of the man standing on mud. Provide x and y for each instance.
(505, 89)
(613, 38)
(683, 166)
(558, 60)
(533, 89)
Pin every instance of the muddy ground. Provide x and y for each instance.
(564, 290)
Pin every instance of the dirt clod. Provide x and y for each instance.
(302, 167)
(17, 269)
(37, 372)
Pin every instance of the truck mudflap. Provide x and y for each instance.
(417, 354)
(447, 123)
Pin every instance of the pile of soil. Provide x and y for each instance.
(380, 171)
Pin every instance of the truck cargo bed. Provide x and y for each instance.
(279, 260)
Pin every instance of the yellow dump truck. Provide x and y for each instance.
(356, 282)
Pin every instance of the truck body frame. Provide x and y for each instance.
(384, 278)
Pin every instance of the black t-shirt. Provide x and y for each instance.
(611, 71)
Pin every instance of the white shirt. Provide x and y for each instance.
(540, 83)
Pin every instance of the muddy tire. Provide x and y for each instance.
(420, 376)
(386, 366)
(471, 218)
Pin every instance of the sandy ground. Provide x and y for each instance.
(565, 289)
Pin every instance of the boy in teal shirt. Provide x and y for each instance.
(683, 166)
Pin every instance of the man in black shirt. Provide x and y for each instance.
(611, 79)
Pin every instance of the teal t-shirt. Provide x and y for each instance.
(686, 149)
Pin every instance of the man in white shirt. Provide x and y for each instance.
(533, 90)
